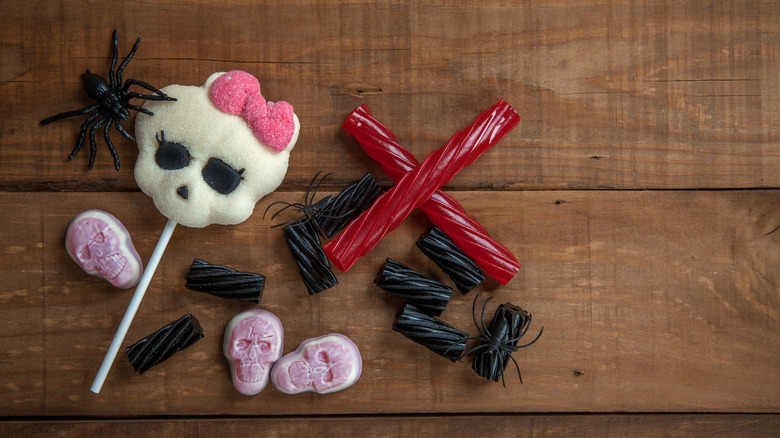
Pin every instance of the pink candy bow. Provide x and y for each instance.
(238, 92)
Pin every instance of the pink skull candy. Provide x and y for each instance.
(325, 364)
(101, 245)
(253, 342)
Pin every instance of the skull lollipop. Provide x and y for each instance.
(207, 159)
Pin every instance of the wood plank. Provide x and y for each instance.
(417, 426)
(651, 302)
(624, 94)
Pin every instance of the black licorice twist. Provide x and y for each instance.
(225, 282)
(306, 249)
(425, 293)
(163, 343)
(438, 246)
(348, 205)
(431, 332)
(509, 325)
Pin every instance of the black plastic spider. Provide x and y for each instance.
(310, 210)
(112, 104)
(509, 325)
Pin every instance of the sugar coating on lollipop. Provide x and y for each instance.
(325, 364)
(209, 157)
(101, 245)
(253, 342)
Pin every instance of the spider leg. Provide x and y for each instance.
(109, 144)
(454, 344)
(478, 347)
(309, 201)
(474, 316)
(516, 366)
(311, 184)
(464, 340)
(125, 61)
(149, 87)
(139, 109)
(111, 77)
(92, 144)
(501, 367)
(65, 115)
(532, 342)
(287, 205)
(123, 132)
(296, 206)
(270, 205)
(482, 317)
(134, 95)
(83, 134)
(520, 336)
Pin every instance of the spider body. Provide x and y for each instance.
(99, 89)
(499, 341)
(112, 104)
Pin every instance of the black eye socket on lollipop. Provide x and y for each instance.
(171, 155)
(220, 176)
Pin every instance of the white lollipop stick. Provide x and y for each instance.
(138, 295)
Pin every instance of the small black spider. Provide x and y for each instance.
(112, 104)
(509, 325)
(310, 210)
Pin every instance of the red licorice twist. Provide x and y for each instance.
(419, 186)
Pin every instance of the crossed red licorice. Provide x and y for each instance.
(420, 186)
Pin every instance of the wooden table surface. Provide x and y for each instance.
(640, 192)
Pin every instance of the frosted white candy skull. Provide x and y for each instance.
(253, 342)
(101, 245)
(211, 155)
(325, 364)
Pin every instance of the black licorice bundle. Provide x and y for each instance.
(225, 282)
(163, 343)
(425, 293)
(491, 363)
(306, 249)
(433, 333)
(348, 205)
(452, 260)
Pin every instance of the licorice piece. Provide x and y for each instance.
(348, 205)
(488, 362)
(455, 263)
(423, 292)
(306, 249)
(380, 144)
(433, 333)
(163, 343)
(225, 282)
(415, 187)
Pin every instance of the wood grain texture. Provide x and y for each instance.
(640, 193)
(650, 302)
(756, 426)
(628, 95)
